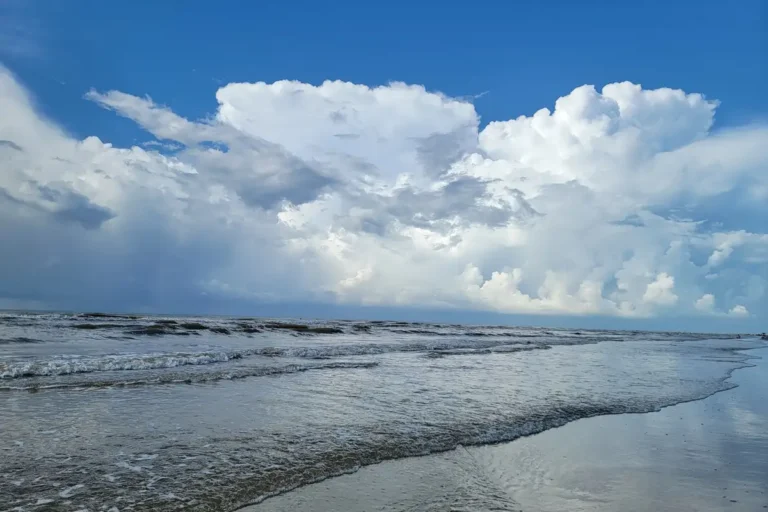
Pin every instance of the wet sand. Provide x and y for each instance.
(708, 455)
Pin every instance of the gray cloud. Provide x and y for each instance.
(438, 151)
(617, 202)
(10, 144)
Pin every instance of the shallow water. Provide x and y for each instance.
(702, 456)
(151, 414)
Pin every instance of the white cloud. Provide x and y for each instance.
(739, 311)
(660, 291)
(614, 203)
(706, 303)
(726, 243)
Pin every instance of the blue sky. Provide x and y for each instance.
(521, 54)
(495, 61)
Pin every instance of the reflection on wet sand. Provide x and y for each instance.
(708, 455)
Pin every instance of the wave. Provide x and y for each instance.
(328, 458)
(128, 362)
(367, 349)
(501, 349)
(107, 315)
(187, 378)
(68, 366)
(19, 339)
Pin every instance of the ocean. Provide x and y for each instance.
(113, 413)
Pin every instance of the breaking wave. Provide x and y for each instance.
(128, 362)
(70, 365)
(346, 350)
(185, 378)
(20, 340)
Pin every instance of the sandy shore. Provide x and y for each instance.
(708, 455)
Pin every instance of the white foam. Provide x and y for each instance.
(69, 491)
(68, 365)
(71, 365)
(125, 465)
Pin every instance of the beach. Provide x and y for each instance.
(706, 455)
(212, 414)
(383, 256)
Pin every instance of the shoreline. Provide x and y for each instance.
(301, 497)
(207, 438)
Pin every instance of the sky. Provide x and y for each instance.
(596, 164)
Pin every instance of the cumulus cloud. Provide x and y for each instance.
(739, 311)
(706, 303)
(616, 202)
(660, 291)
